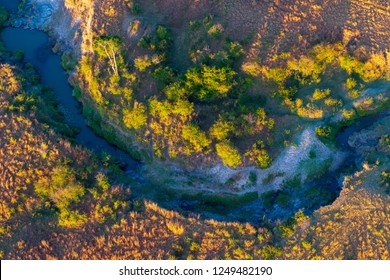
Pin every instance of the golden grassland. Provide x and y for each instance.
(355, 226)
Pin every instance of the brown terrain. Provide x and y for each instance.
(272, 27)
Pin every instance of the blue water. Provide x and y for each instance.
(37, 51)
(10, 5)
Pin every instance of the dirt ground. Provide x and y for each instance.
(284, 25)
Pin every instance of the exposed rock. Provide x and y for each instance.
(36, 14)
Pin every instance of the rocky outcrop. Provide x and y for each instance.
(35, 14)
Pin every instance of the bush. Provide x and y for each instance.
(164, 74)
(62, 188)
(221, 129)
(252, 177)
(141, 63)
(324, 132)
(229, 154)
(215, 31)
(77, 93)
(3, 15)
(71, 219)
(292, 183)
(270, 252)
(321, 94)
(195, 137)
(310, 111)
(68, 62)
(252, 68)
(350, 83)
(209, 82)
(135, 118)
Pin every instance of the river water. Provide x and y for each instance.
(37, 51)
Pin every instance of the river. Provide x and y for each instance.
(37, 51)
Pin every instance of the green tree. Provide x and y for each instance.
(136, 117)
(229, 154)
(62, 188)
(144, 62)
(3, 15)
(259, 155)
(221, 129)
(324, 132)
(207, 82)
(196, 137)
(109, 47)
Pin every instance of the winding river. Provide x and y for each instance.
(37, 51)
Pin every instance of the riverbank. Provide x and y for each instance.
(39, 53)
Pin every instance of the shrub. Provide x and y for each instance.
(252, 68)
(321, 94)
(234, 50)
(348, 114)
(62, 188)
(293, 182)
(3, 15)
(135, 118)
(71, 219)
(310, 111)
(374, 68)
(221, 129)
(209, 82)
(350, 83)
(196, 137)
(215, 31)
(229, 154)
(175, 227)
(259, 155)
(252, 177)
(77, 93)
(102, 181)
(144, 62)
(324, 132)
(270, 252)
(68, 62)
(136, 8)
(164, 74)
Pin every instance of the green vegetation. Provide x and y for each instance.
(136, 117)
(229, 154)
(3, 15)
(68, 62)
(209, 82)
(197, 139)
(325, 132)
(109, 47)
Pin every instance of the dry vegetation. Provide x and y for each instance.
(355, 226)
